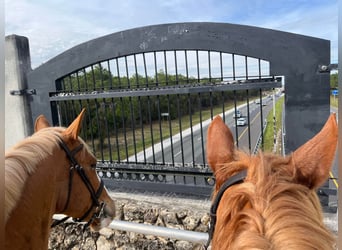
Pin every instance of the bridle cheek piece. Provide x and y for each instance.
(235, 179)
(95, 195)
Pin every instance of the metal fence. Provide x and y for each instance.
(147, 114)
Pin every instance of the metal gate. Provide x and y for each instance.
(151, 92)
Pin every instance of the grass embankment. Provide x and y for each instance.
(334, 101)
(269, 132)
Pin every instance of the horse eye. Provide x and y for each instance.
(93, 165)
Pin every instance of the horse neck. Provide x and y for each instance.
(30, 221)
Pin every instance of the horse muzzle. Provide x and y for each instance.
(103, 216)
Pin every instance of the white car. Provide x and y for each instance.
(241, 121)
(238, 114)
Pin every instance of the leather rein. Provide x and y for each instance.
(95, 195)
(235, 179)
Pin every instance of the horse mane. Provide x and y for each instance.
(269, 210)
(21, 161)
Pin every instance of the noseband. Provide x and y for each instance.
(95, 195)
(235, 179)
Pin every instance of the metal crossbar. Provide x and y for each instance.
(186, 235)
(171, 90)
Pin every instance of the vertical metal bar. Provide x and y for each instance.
(140, 107)
(209, 66)
(186, 66)
(89, 111)
(142, 129)
(234, 92)
(191, 129)
(247, 94)
(165, 67)
(72, 101)
(211, 105)
(97, 116)
(235, 121)
(64, 104)
(170, 130)
(221, 66)
(116, 133)
(132, 112)
(104, 116)
(176, 67)
(160, 130)
(149, 112)
(124, 129)
(155, 67)
(180, 128)
(158, 108)
(261, 113)
(261, 120)
(168, 110)
(113, 107)
(223, 107)
(197, 60)
(249, 124)
(118, 71)
(201, 123)
(151, 128)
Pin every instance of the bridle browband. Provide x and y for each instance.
(95, 195)
(235, 179)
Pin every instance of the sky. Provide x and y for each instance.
(54, 26)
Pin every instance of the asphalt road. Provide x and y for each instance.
(190, 146)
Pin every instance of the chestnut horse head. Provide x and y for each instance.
(267, 201)
(53, 171)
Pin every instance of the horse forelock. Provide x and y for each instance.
(269, 210)
(22, 160)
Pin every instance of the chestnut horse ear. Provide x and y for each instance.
(314, 159)
(41, 122)
(220, 144)
(74, 128)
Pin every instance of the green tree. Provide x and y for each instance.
(334, 81)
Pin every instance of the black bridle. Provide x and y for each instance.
(235, 179)
(95, 195)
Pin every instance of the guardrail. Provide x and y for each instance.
(257, 145)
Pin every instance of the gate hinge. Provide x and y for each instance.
(327, 68)
(23, 92)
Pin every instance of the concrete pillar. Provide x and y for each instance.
(18, 120)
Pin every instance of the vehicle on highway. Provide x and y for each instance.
(241, 121)
(238, 114)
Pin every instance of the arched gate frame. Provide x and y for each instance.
(295, 57)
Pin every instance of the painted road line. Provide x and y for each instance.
(333, 179)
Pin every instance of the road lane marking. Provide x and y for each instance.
(333, 179)
(178, 154)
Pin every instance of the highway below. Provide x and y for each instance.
(189, 147)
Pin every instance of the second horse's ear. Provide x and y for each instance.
(74, 128)
(41, 122)
(220, 144)
(313, 160)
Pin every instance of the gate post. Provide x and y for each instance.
(18, 120)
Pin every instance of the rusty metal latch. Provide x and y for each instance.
(21, 92)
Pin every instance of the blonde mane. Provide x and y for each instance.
(22, 160)
(270, 210)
